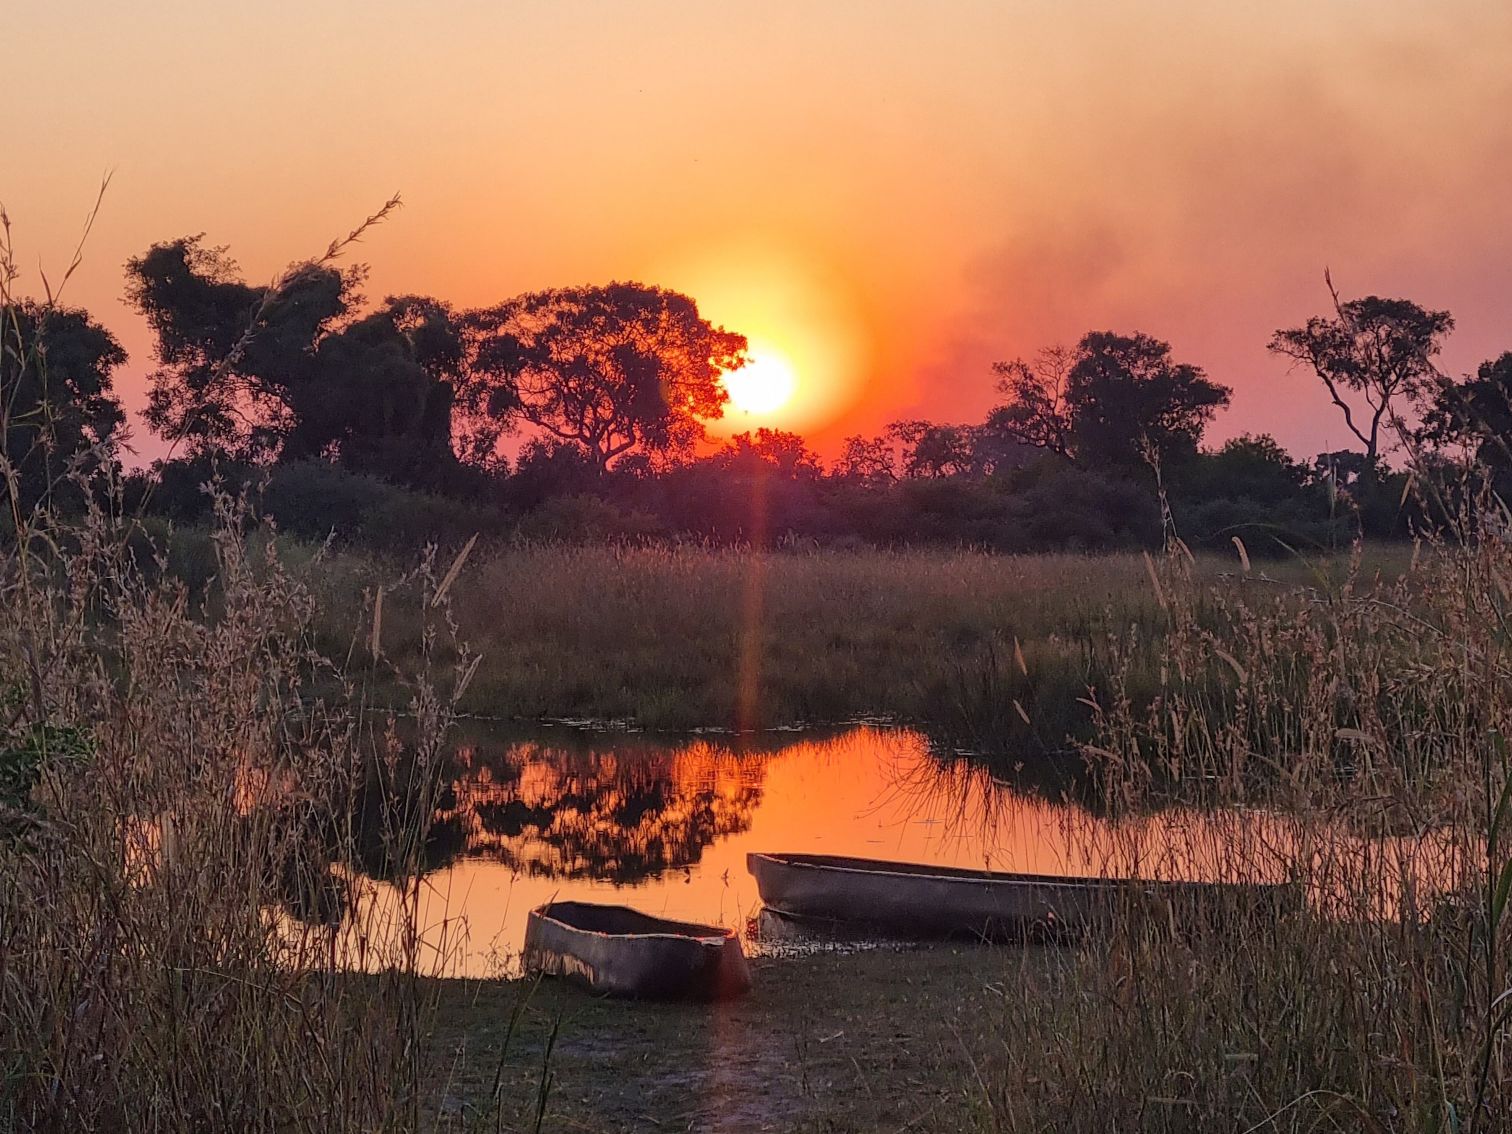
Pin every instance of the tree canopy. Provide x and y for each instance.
(1036, 412)
(229, 354)
(57, 403)
(1381, 349)
(1477, 413)
(1112, 402)
(615, 369)
(287, 372)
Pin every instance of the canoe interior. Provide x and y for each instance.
(622, 921)
(619, 951)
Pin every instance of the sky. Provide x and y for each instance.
(888, 195)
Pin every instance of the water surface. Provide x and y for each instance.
(664, 825)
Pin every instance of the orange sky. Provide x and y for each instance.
(892, 193)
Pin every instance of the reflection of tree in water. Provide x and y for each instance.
(615, 815)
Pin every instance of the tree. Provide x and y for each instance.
(1382, 349)
(771, 451)
(378, 395)
(615, 369)
(1128, 399)
(57, 405)
(1110, 401)
(229, 354)
(1254, 489)
(1477, 413)
(290, 372)
(1037, 412)
(868, 461)
(933, 450)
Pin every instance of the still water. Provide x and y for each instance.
(664, 825)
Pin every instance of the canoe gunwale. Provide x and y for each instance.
(923, 872)
(702, 938)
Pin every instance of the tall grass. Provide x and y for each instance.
(1362, 731)
(176, 873)
(177, 856)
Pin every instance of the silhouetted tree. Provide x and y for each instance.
(615, 369)
(1381, 349)
(1251, 466)
(548, 468)
(783, 453)
(933, 450)
(1343, 468)
(1476, 413)
(228, 353)
(868, 461)
(56, 400)
(1037, 412)
(1129, 398)
(380, 392)
(284, 372)
(1111, 402)
(1254, 489)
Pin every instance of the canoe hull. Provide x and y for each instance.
(617, 951)
(921, 901)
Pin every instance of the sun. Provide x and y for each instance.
(763, 385)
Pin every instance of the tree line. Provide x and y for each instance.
(386, 422)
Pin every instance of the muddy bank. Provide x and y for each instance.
(879, 1040)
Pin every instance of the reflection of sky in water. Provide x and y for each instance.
(665, 825)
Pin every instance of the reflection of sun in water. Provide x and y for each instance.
(761, 386)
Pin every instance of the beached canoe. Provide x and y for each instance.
(623, 952)
(916, 900)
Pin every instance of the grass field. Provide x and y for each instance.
(684, 637)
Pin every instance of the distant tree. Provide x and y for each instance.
(379, 395)
(229, 354)
(868, 461)
(1127, 398)
(1254, 489)
(1475, 413)
(933, 450)
(615, 369)
(57, 404)
(1381, 349)
(290, 373)
(1037, 412)
(1253, 468)
(1108, 402)
(776, 450)
(548, 468)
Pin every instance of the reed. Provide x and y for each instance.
(178, 882)
(1356, 737)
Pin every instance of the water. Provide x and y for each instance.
(664, 825)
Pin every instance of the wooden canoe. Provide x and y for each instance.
(934, 901)
(623, 952)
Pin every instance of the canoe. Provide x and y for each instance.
(623, 952)
(938, 901)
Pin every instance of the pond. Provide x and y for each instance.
(663, 824)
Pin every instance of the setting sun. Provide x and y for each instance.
(761, 386)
